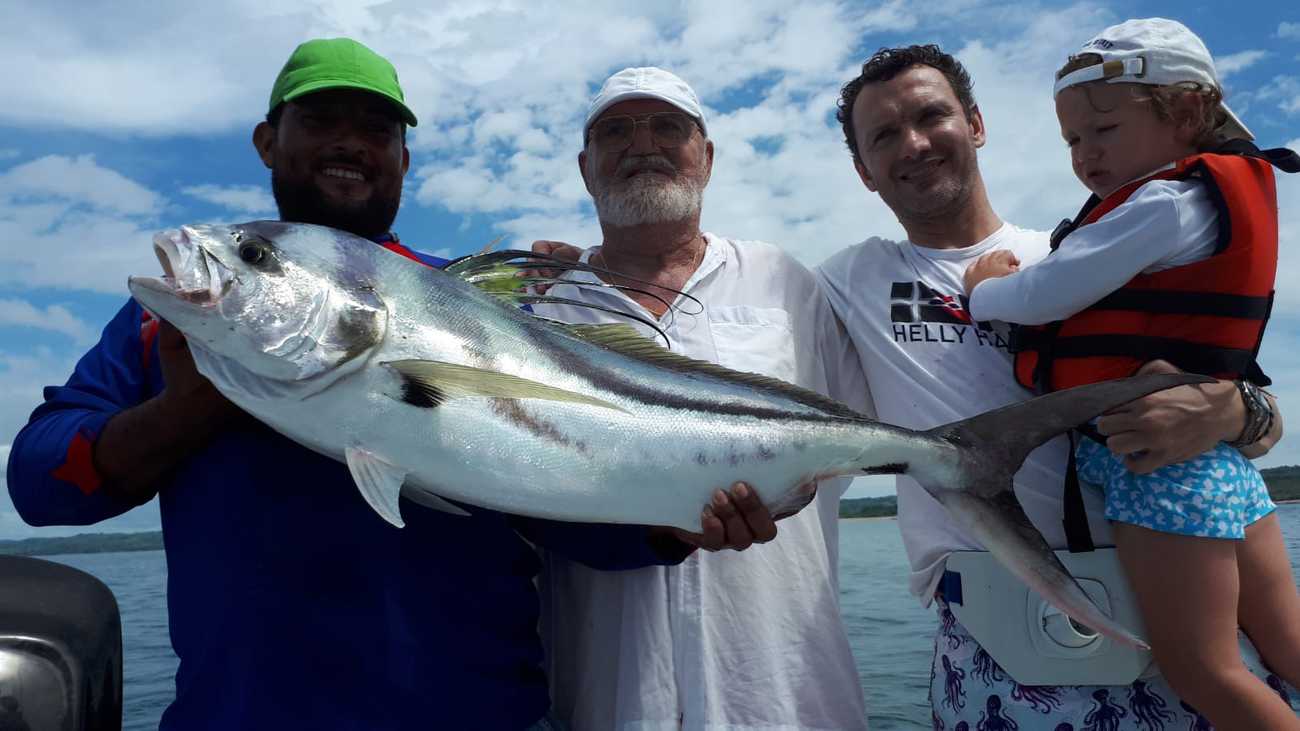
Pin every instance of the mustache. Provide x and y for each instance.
(657, 163)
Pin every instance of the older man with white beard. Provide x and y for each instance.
(751, 640)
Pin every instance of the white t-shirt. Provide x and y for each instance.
(928, 363)
(749, 640)
(1162, 225)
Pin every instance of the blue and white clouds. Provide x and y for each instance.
(122, 120)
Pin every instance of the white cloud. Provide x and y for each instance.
(1288, 30)
(1284, 91)
(1232, 63)
(250, 201)
(55, 318)
(69, 223)
(128, 71)
(78, 180)
(23, 374)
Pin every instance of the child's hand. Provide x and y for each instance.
(993, 264)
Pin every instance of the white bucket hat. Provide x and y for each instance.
(1152, 51)
(647, 82)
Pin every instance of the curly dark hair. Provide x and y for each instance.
(887, 63)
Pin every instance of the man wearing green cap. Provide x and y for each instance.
(291, 603)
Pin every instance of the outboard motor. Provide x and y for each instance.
(60, 649)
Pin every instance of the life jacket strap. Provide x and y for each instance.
(1078, 537)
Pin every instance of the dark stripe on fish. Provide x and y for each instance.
(893, 468)
(614, 382)
(513, 411)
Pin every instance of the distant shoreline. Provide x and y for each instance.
(1284, 485)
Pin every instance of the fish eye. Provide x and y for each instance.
(253, 251)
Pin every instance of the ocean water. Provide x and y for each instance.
(889, 631)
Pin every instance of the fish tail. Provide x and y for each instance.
(1001, 439)
(992, 446)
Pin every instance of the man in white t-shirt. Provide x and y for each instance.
(749, 640)
(912, 125)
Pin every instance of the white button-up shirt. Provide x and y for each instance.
(726, 640)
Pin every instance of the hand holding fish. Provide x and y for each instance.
(188, 398)
(989, 266)
(140, 445)
(736, 519)
(1175, 425)
(557, 249)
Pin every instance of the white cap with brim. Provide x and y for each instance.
(1153, 51)
(647, 82)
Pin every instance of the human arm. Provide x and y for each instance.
(142, 444)
(1162, 225)
(993, 264)
(51, 474)
(1177, 424)
(55, 476)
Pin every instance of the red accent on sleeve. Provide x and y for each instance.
(79, 466)
(148, 333)
(397, 248)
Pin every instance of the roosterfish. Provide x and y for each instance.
(431, 388)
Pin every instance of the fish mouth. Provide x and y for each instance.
(190, 272)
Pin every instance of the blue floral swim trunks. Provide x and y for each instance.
(1212, 495)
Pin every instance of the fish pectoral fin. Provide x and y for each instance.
(429, 383)
(380, 482)
(433, 502)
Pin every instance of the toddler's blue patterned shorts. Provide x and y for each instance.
(1212, 495)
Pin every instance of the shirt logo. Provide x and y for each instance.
(922, 314)
(917, 302)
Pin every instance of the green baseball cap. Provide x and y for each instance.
(338, 63)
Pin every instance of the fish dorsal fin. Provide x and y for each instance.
(429, 383)
(511, 276)
(625, 339)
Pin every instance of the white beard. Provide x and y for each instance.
(648, 198)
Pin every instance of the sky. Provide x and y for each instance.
(136, 117)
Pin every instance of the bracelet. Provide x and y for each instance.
(1259, 414)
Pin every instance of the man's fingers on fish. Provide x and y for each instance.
(713, 532)
(738, 534)
(757, 517)
(557, 249)
(549, 248)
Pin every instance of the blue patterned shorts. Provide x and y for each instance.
(1213, 495)
(969, 691)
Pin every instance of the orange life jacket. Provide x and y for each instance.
(1206, 317)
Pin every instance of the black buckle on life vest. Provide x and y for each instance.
(1063, 229)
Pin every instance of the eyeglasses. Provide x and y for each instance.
(669, 129)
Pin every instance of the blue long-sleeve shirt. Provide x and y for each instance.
(291, 603)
